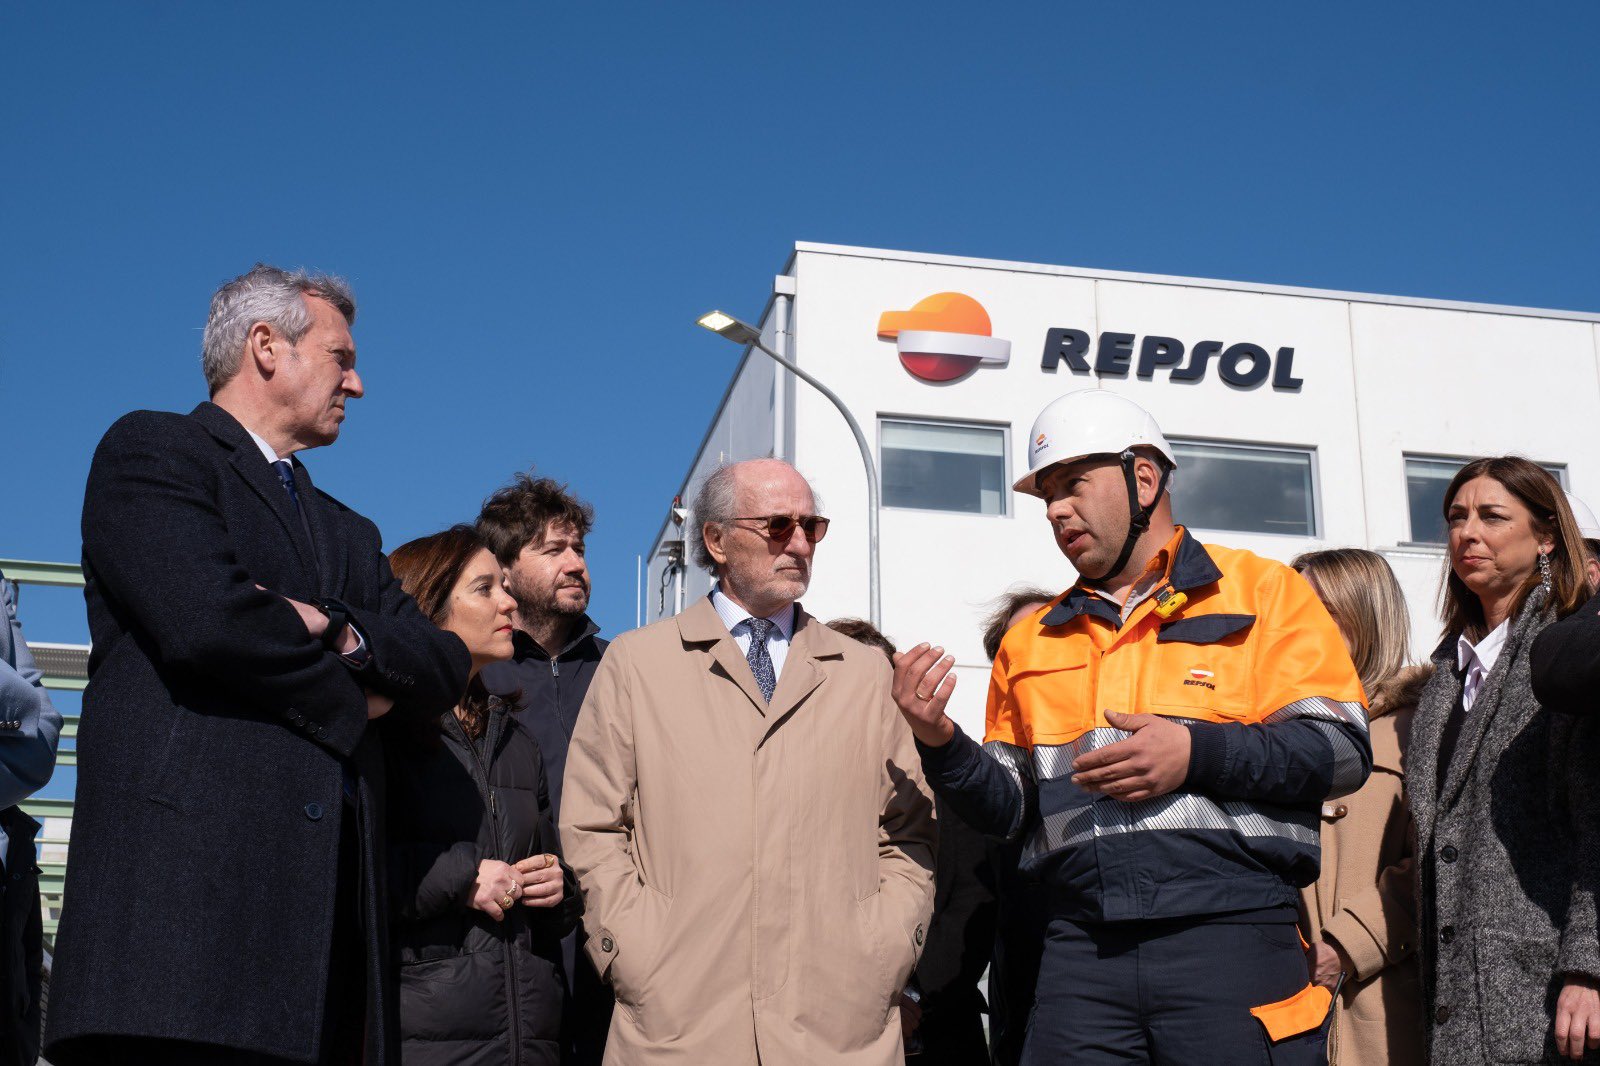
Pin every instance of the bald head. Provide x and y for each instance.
(730, 538)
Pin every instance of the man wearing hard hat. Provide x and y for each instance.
(1589, 529)
(1163, 734)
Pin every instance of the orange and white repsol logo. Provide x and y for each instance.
(944, 337)
(1201, 677)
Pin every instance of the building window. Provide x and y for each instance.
(1244, 488)
(1426, 481)
(943, 466)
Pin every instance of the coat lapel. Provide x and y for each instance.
(253, 467)
(1427, 729)
(803, 672)
(1491, 696)
(700, 625)
(330, 568)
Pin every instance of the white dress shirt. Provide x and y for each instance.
(1477, 660)
(737, 619)
(266, 449)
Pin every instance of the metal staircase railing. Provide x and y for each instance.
(65, 668)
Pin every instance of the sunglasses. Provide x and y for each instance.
(780, 527)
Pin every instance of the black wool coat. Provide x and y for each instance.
(1566, 662)
(214, 743)
(473, 991)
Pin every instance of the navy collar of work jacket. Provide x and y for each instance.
(1192, 568)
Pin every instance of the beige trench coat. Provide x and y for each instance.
(1365, 897)
(758, 880)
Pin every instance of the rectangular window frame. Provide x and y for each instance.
(1309, 450)
(1559, 470)
(1006, 476)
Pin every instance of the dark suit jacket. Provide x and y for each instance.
(214, 738)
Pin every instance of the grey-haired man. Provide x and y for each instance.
(225, 900)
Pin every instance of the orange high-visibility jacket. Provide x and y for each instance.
(1256, 669)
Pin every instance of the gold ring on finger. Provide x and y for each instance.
(506, 901)
(923, 698)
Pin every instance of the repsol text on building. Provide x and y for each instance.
(1242, 365)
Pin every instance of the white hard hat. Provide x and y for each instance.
(1588, 527)
(1088, 422)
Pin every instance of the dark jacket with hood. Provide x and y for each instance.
(549, 693)
(473, 990)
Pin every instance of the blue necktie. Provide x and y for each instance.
(286, 475)
(761, 662)
(285, 471)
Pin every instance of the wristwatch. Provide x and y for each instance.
(338, 617)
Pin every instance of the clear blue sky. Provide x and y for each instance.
(534, 201)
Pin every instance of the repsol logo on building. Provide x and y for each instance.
(1242, 365)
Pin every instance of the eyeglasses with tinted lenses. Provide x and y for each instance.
(780, 527)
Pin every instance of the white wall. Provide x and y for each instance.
(1379, 381)
(743, 429)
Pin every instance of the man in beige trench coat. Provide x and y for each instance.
(746, 812)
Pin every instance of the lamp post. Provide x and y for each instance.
(743, 333)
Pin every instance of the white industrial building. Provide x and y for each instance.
(1302, 419)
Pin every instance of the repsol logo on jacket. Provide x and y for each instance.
(1242, 365)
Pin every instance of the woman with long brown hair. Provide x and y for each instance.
(478, 894)
(1360, 915)
(1503, 791)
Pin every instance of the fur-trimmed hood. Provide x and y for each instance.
(1402, 689)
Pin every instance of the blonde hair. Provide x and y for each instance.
(1361, 593)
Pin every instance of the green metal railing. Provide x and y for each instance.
(65, 668)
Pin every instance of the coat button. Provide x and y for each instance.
(1442, 1015)
(606, 944)
(314, 811)
(1448, 934)
(1448, 853)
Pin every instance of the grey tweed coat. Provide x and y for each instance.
(1507, 857)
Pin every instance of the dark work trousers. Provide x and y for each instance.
(1020, 920)
(1168, 993)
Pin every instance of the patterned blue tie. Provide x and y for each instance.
(760, 662)
(286, 475)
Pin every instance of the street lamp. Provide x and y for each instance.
(743, 333)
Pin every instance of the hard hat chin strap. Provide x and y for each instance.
(1138, 517)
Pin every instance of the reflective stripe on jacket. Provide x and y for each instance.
(1254, 666)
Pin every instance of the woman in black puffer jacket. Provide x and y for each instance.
(478, 897)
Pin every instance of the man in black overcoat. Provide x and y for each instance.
(224, 894)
